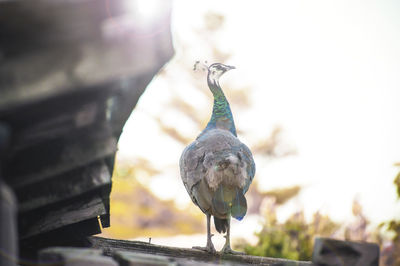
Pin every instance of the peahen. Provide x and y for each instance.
(217, 169)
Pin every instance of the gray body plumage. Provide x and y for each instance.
(216, 158)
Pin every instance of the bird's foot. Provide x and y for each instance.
(228, 250)
(209, 248)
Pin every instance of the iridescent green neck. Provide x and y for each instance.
(221, 116)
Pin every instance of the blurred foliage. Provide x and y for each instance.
(292, 239)
(130, 216)
(271, 146)
(390, 254)
(357, 230)
(257, 200)
(136, 212)
(393, 254)
(284, 194)
(397, 183)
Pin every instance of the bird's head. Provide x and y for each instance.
(216, 70)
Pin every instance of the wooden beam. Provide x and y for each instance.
(182, 255)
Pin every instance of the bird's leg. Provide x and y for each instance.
(209, 247)
(227, 247)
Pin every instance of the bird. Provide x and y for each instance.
(217, 168)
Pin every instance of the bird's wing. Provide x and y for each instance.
(191, 166)
(247, 157)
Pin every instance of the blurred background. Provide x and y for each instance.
(315, 95)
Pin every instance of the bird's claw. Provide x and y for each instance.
(208, 248)
(229, 250)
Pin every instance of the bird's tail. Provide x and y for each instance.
(221, 225)
(228, 201)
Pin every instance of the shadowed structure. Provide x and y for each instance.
(217, 169)
(71, 73)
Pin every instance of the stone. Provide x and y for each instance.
(332, 252)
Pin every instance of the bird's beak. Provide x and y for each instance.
(229, 67)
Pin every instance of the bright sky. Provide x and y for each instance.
(327, 72)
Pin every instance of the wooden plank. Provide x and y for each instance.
(8, 226)
(58, 116)
(45, 161)
(55, 217)
(74, 183)
(83, 118)
(72, 235)
(130, 258)
(74, 257)
(111, 246)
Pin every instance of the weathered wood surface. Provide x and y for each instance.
(8, 210)
(121, 252)
(74, 256)
(183, 256)
(8, 226)
(71, 73)
(52, 47)
(37, 222)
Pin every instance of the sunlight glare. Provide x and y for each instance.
(148, 8)
(145, 10)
